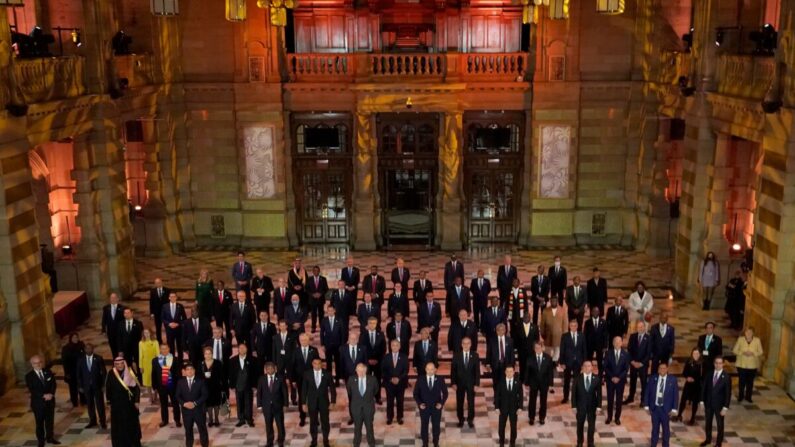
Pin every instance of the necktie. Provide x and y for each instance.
(494, 309)
(466, 359)
(304, 350)
(640, 339)
(317, 379)
(190, 383)
(618, 355)
(422, 284)
(284, 339)
(575, 338)
(425, 347)
(362, 385)
(241, 308)
(173, 310)
(368, 308)
(715, 378)
(196, 325)
(270, 383)
(89, 363)
(430, 306)
(662, 330)
(129, 326)
(587, 382)
(708, 341)
(539, 360)
(618, 310)
(350, 271)
(220, 296)
(41, 375)
(372, 338)
(480, 283)
(394, 359)
(430, 382)
(217, 353)
(397, 330)
(295, 308)
(159, 292)
(317, 280)
(502, 349)
(331, 322)
(113, 311)
(660, 389)
(510, 384)
(353, 353)
(400, 274)
(241, 267)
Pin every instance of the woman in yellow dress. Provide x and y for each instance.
(148, 349)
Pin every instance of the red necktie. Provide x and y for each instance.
(220, 296)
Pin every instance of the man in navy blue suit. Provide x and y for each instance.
(173, 314)
(192, 394)
(716, 396)
(663, 340)
(616, 368)
(430, 393)
(395, 373)
(479, 288)
(242, 274)
(430, 315)
(332, 335)
(660, 400)
(639, 351)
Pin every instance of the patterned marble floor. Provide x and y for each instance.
(770, 421)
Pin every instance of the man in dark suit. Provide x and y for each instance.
(639, 351)
(342, 301)
(500, 354)
(493, 316)
(129, 334)
(464, 377)
(262, 339)
(271, 399)
(243, 379)
(242, 318)
(302, 359)
(716, 397)
(661, 402)
(375, 285)
(401, 275)
(617, 319)
(192, 395)
(375, 348)
(508, 401)
(262, 286)
(368, 309)
(350, 274)
(90, 382)
(557, 281)
(430, 315)
(158, 296)
(596, 289)
(430, 394)
(399, 329)
(222, 348)
(112, 315)
(316, 388)
(572, 355)
(525, 334)
(352, 354)
(539, 292)
(316, 289)
(517, 303)
(452, 269)
(283, 345)
(710, 346)
(41, 386)
(505, 276)
(586, 399)
(398, 301)
(395, 379)
(173, 315)
(480, 287)
(663, 342)
(362, 389)
(461, 328)
(616, 368)
(421, 288)
(333, 333)
(596, 338)
(281, 298)
(295, 315)
(242, 274)
(540, 374)
(576, 300)
(425, 350)
(195, 332)
(221, 304)
(165, 383)
(457, 298)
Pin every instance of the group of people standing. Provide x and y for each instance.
(226, 343)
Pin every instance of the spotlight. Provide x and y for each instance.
(138, 208)
(736, 247)
(76, 38)
(765, 39)
(36, 44)
(66, 249)
(409, 104)
(670, 295)
(719, 38)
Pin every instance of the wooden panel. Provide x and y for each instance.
(363, 38)
(303, 34)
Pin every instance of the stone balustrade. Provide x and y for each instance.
(49, 79)
(744, 76)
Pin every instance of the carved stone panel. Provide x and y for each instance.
(555, 158)
(258, 144)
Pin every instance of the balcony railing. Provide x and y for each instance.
(360, 67)
(744, 75)
(49, 79)
(137, 69)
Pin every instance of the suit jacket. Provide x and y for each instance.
(557, 279)
(315, 397)
(508, 401)
(670, 399)
(157, 372)
(432, 319)
(299, 365)
(262, 341)
(38, 388)
(717, 395)
(539, 376)
(266, 284)
(351, 278)
(110, 323)
(400, 303)
(156, 302)
(524, 342)
(489, 321)
(662, 348)
(376, 351)
(292, 316)
(128, 341)
(282, 353)
(539, 288)
(342, 302)
(455, 301)
(249, 367)
(349, 363)
(421, 358)
(465, 376)
(194, 339)
(404, 281)
(242, 274)
(363, 314)
(420, 292)
(616, 367)
(390, 370)
(242, 323)
(494, 354)
(578, 301)
(553, 326)
(639, 351)
(296, 284)
(586, 400)
(376, 287)
(572, 355)
(220, 306)
(457, 333)
(596, 336)
(321, 288)
(166, 318)
(715, 348)
(93, 379)
(197, 394)
(332, 337)
(226, 348)
(362, 406)
(430, 396)
(271, 400)
(617, 324)
(505, 279)
(281, 300)
(597, 292)
(450, 273)
(404, 336)
(480, 295)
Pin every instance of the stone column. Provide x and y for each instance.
(159, 183)
(365, 217)
(451, 177)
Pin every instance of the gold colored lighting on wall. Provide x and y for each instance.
(277, 9)
(235, 10)
(530, 11)
(164, 7)
(610, 6)
(558, 9)
(11, 3)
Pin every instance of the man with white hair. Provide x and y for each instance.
(41, 385)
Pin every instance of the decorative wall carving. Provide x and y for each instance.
(555, 156)
(258, 144)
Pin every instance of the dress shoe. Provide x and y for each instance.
(691, 422)
(251, 424)
(104, 426)
(471, 424)
(91, 425)
(302, 423)
(608, 420)
(350, 421)
(627, 401)
(532, 422)
(53, 441)
(163, 424)
(240, 423)
(749, 401)
(460, 424)
(551, 391)
(389, 422)
(400, 421)
(705, 443)
(541, 422)
(179, 424)
(618, 421)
